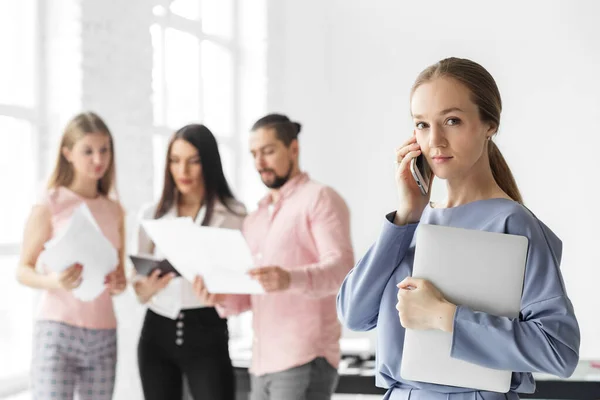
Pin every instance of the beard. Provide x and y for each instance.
(279, 181)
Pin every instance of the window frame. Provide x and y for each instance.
(166, 19)
(18, 383)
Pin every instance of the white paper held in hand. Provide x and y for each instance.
(81, 241)
(220, 256)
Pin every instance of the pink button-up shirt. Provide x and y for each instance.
(307, 232)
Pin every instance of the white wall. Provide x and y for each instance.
(344, 68)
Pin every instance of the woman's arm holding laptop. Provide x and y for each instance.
(546, 338)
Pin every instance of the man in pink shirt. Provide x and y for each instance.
(300, 239)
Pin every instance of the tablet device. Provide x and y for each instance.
(146, 264)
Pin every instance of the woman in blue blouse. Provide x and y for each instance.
(456, 108)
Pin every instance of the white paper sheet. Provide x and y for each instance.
(223, 280)
(81, 241)
(220, 256)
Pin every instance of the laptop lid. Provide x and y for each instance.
(478, 269)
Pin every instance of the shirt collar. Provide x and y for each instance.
(287, 189)
(172, 213)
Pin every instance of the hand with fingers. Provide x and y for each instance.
(422, 306)
(146, 287)
(411, 201)
(209, 299)
(70, 278)
(115, 282)
(272, 278)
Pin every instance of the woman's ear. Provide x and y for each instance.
(66, 154)
(491, 131)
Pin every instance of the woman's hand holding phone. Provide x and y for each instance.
(411, 202)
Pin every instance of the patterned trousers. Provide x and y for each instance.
(69, 360)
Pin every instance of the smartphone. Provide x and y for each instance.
(421, 172)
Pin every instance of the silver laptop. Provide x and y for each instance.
(481, 270)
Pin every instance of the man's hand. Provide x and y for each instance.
(272, 279)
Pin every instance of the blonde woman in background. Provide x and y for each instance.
(75, 342)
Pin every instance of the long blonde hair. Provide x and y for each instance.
(486, 96)
(81, 125)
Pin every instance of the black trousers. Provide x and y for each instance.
(195, 346)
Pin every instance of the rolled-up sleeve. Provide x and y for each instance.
(330, 228)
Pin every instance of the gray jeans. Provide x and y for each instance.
(313, 381)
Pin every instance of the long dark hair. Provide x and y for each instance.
(215, 183)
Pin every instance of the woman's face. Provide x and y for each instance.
(448, 128)
(185, 166)
(90, 156)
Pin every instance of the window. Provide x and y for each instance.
(193, 78)
(19, 170)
